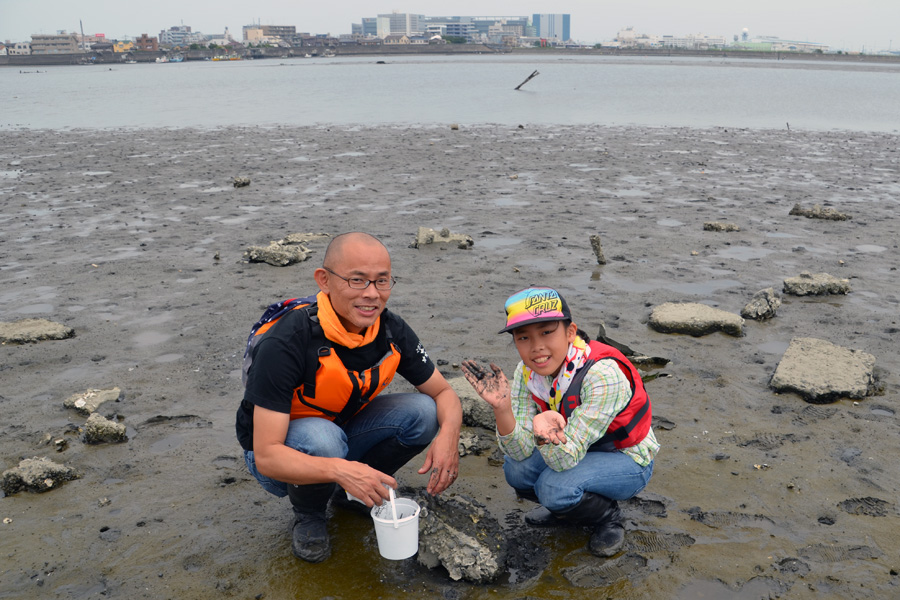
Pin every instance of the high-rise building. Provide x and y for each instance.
(398, 23)
(552, 26)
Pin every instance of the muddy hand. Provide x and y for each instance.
(491, 386)
(548, 428)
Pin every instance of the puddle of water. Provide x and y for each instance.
(511, 202)
(775, 347)
(870, 248)
(744, 253)
(167, 443)
(150, 338)
(167, 358)
(776, 234)
(669, 223)
(882, 412)
(33, 309)
(494, 242)
(186, 280)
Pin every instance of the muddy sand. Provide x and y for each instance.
(135, 240)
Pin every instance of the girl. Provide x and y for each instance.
(574, 426)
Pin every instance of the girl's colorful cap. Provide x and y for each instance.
(535, 305)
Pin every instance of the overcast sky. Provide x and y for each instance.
(852, 25)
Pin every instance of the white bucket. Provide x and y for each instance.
(399, 540)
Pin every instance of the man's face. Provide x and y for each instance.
(357, 309)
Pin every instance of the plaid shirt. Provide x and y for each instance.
(604, 393)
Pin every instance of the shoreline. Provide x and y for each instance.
(135, 239)
(446, 50)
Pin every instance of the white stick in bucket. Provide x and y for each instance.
(393, 506)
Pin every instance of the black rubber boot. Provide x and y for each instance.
(604, 516)
(310, 540)
(386, 456)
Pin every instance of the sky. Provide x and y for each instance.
(850, 25)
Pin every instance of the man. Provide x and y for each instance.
(309, 430)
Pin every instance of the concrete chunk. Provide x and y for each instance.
(460, 534)
(694, 319)
(27, 331)
(815, 284)
(818, 212)
(89, 401)
(822, 372)
(36, 475)
(762, 305)
(426, 235)
(719, 226)
(99, 430)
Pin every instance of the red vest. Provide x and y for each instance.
(632, 424)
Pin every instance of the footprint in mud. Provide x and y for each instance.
(179, 421)
(594, 575)
(651, 507)
(830, 553)
(872, 507)
(719, 519)
(813, 413)
(641, 540)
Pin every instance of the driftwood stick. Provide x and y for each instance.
(529, 78)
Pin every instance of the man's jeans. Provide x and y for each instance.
(611, 474)
(411, 418)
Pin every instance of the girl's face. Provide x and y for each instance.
(543, 346)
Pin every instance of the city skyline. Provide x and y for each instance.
(866, 25)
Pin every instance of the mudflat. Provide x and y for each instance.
(135, 239)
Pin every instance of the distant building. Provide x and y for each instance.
(552, 26)
(272, 34)
(398, 23)
(19, 49)
(62, 43)
(145, 43)
(180, 35)
(774, 44)
(692, 42)
(123, 46)
(395, 40)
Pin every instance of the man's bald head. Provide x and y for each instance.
(337, 246)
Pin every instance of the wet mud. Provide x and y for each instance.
(135, 240)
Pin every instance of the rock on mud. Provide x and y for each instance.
(719, 226)
(89, 401)
(822, 372)
(276, 254)
(762, 305)
(815, 284)
(818, 212)
(694, 319)
(598, 249)
(98, 430)
(459, 534)
(426, 236)
(36, 475)
(27, 331)
(240, 181)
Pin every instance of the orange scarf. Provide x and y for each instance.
(334, 329)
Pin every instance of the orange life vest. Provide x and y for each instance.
(330, 390)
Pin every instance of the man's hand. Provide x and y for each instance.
(442, 460)
(548, 428)
(492, 387)
(364, 482)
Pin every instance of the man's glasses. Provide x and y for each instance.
(359, 283)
